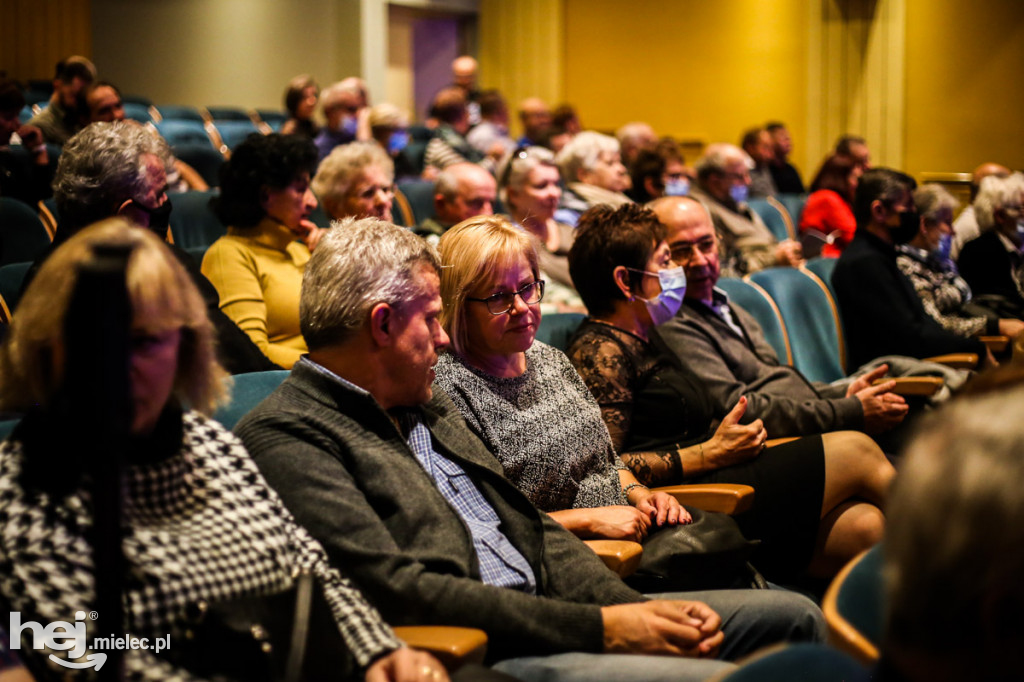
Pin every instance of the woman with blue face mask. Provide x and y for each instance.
(926, 262)
(817, 499)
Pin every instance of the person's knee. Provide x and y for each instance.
(776, 615)
(806, 621)
(867, 528)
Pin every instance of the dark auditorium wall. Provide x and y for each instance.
(36, 34)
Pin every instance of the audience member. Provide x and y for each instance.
(462, 190)
(389, 129)
(193, 502)
(385, 472)
(722, 344)
(634, 138)
(881, 312)
(62, 118)
(120, 169)
(530, 192)
(300, 100)
(593, 174)
(760, 147)
(965, 227)
(535, 117)
(449, 145)
(993, 264)
(490, 135)
(265, 200)
(785, 176)
(951, 577)
(356, 179)
(827, 221)
(647, 177)
(818, 498)
(926, 263)
(523, 399)
(25, 170)
(342, 103)
(855, 149)
(464, 70)
(723, 184)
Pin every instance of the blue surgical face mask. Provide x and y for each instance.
(677, 187)
(665, 305)
(739, 193)
(944, 248)
(349, 125)
(397, 142)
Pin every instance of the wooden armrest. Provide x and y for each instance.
(728, 498)
(996, 344)
(452, 646)
(956, 360)
(772, 442)
(925, 386)
(621, 556)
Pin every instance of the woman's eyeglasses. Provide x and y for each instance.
(503, 301)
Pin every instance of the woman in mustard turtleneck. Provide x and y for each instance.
(257, 267)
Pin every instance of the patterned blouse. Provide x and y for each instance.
(201, 524)
(544, 427)
(942, 291)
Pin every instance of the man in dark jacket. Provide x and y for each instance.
(386, 474)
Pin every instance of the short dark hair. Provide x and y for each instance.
(449, 105)
(648, 164)
(772, 126)
(844, 143)
(882, 184)
(750, 137)
(491, 103)
(11, 97)
(262, 161)
(607, 237)
(71, 68)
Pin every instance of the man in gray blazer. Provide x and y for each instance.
(725, 347)
(385, 473)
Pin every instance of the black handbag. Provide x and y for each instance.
(708, 554)
(284, 637)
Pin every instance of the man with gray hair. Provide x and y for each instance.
(344, 106)
(119, 169)
(635, 137)
(462, 191)
(723, 184)
(383, 470)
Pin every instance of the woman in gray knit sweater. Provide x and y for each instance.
(523, 398)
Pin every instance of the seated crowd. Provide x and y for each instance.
(428, 460)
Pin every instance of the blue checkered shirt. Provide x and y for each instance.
(501, 564)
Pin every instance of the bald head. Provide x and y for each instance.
(691, 238)
(985, 170)
(464, 72)
(462, 191)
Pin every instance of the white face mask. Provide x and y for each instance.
(665, 305)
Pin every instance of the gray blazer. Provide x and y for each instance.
(731, 366)
(344, 470)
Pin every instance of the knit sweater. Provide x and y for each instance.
(346, 472)
(544, 427)
(202, 524)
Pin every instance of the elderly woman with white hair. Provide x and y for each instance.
(593, 173)
(356, 180)
(926, 263)
(531, 192)
(993, 264)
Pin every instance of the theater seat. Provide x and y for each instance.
(854, 607)
(756, 301)
(23, 237)
(193, 222)
(775, 217)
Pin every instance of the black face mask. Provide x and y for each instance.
(910, 224)
(159, 217)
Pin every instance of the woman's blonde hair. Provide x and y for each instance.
(162, 296)
(472, 251)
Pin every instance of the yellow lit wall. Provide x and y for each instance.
(692, 69)
(965, 101)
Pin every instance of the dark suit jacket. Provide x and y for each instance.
(346, 473)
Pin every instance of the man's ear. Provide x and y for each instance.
(382, 320)
(878, 211)
(651, 187)
(621, 275)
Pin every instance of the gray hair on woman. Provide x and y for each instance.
(102, 166)
(520, 164)
(343, 166)
(582, 153)
(358, 264)
(933, 199)
(994, 194)
(472, 251)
